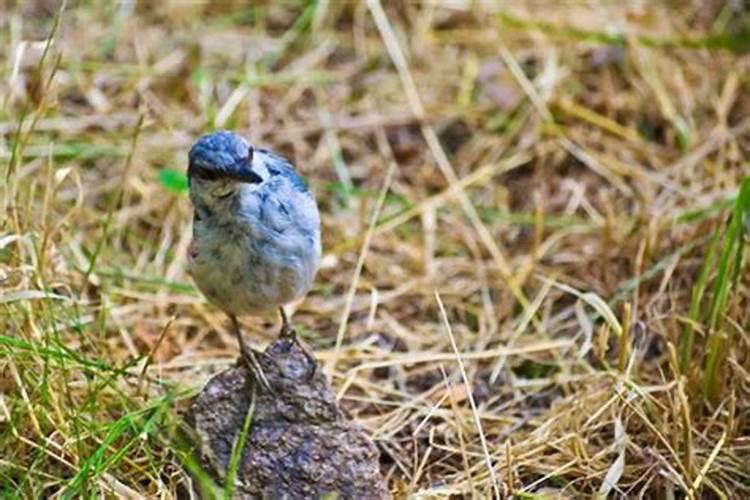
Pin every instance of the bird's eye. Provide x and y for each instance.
(250, 153)
(207, 173)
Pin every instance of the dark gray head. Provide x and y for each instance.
(222, 156)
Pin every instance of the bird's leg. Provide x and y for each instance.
(287, 332)
(290, 334)
(248, 356)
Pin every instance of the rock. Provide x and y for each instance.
(300, 443)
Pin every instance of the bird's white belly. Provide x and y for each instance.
(240, 280)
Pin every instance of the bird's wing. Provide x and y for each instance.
(275, 156)
(278, 165)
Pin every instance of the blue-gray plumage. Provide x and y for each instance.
(256, 228)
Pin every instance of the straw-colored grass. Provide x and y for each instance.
(534, 216)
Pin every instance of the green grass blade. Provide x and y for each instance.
(98, 463)
(730, 264)
(238, 449)
(687, 338)
(173, 180)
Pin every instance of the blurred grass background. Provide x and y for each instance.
(558, 191)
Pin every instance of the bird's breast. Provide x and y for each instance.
(244, 272)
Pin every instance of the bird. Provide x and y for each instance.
(256, 242)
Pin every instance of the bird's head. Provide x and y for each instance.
(219, 164)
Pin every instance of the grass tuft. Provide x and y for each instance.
(731, 265)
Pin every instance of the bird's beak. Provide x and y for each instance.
(243, 172)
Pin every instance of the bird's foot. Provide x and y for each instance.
(289, 335)
(249, 358)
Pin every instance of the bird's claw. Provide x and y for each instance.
(250, 360)
(289, 335)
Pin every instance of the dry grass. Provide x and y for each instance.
(533, 281)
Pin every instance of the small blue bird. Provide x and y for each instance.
(256, 231)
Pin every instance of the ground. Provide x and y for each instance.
(534, 214)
